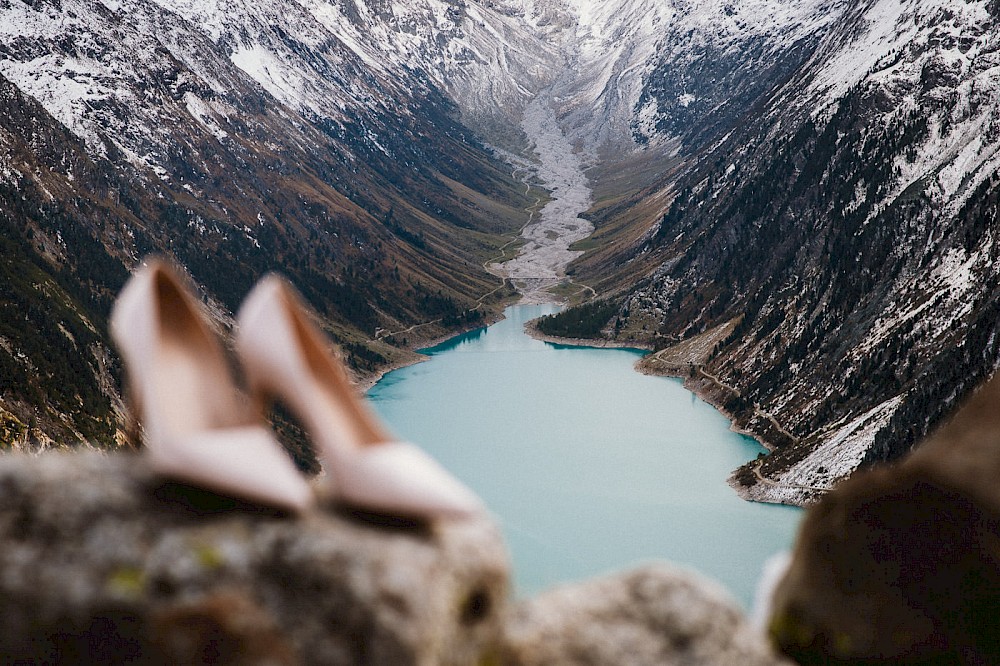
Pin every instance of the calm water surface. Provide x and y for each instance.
(589, 466)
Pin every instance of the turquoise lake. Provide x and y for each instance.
(589, 466)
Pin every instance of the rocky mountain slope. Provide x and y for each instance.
(825, 269)
(239, 138)
(330, 140)
(795, 200)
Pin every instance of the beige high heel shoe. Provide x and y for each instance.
(286, 356)
(195, 428)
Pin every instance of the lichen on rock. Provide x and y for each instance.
(101, 560)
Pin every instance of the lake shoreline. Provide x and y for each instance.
(703, 387)
(540, 430)
(365, 381)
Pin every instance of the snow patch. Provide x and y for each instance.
(835, 458)
(261, 65)
(204, 114)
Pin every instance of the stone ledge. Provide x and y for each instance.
(655, 615)
(103, 562)
(100, 560)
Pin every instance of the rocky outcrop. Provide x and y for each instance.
(902, 564)
(654, 615)
(102, 562)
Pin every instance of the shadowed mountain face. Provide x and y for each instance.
(128, 129)
(826, 269)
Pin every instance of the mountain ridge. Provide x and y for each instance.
(848, 229)
(382, 219)
(795, 200)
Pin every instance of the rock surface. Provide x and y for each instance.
(102, 562)
(902, 564)
(657, 614)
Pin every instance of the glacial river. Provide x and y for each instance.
(589, 466)
(542, 260)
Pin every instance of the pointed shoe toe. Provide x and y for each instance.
(242, 462)
(401, 479)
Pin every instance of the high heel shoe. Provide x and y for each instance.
(195, 428)
(286, 356)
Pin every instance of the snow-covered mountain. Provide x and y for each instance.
(132, 74)
(797, 198)
(96, 66)
(238, 137)
(340, 141)
(715, 60)
(826, 271)
(637, 72)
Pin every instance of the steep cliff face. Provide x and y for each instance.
(55, 278)
(834, 254)
(240, 139)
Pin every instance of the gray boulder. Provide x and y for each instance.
(658, 614)
(102, 562)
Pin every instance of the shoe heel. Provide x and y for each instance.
(281, 344)
(261, 401)
(133, 426)
(195, 426)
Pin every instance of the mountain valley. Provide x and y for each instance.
(826, 272)
(794, 202)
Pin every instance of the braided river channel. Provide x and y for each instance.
(589, 466)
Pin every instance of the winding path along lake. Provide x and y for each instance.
(588, 465)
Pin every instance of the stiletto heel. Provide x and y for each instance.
(284, 353)
(261, 401)
(195, 428)
(133, 429)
